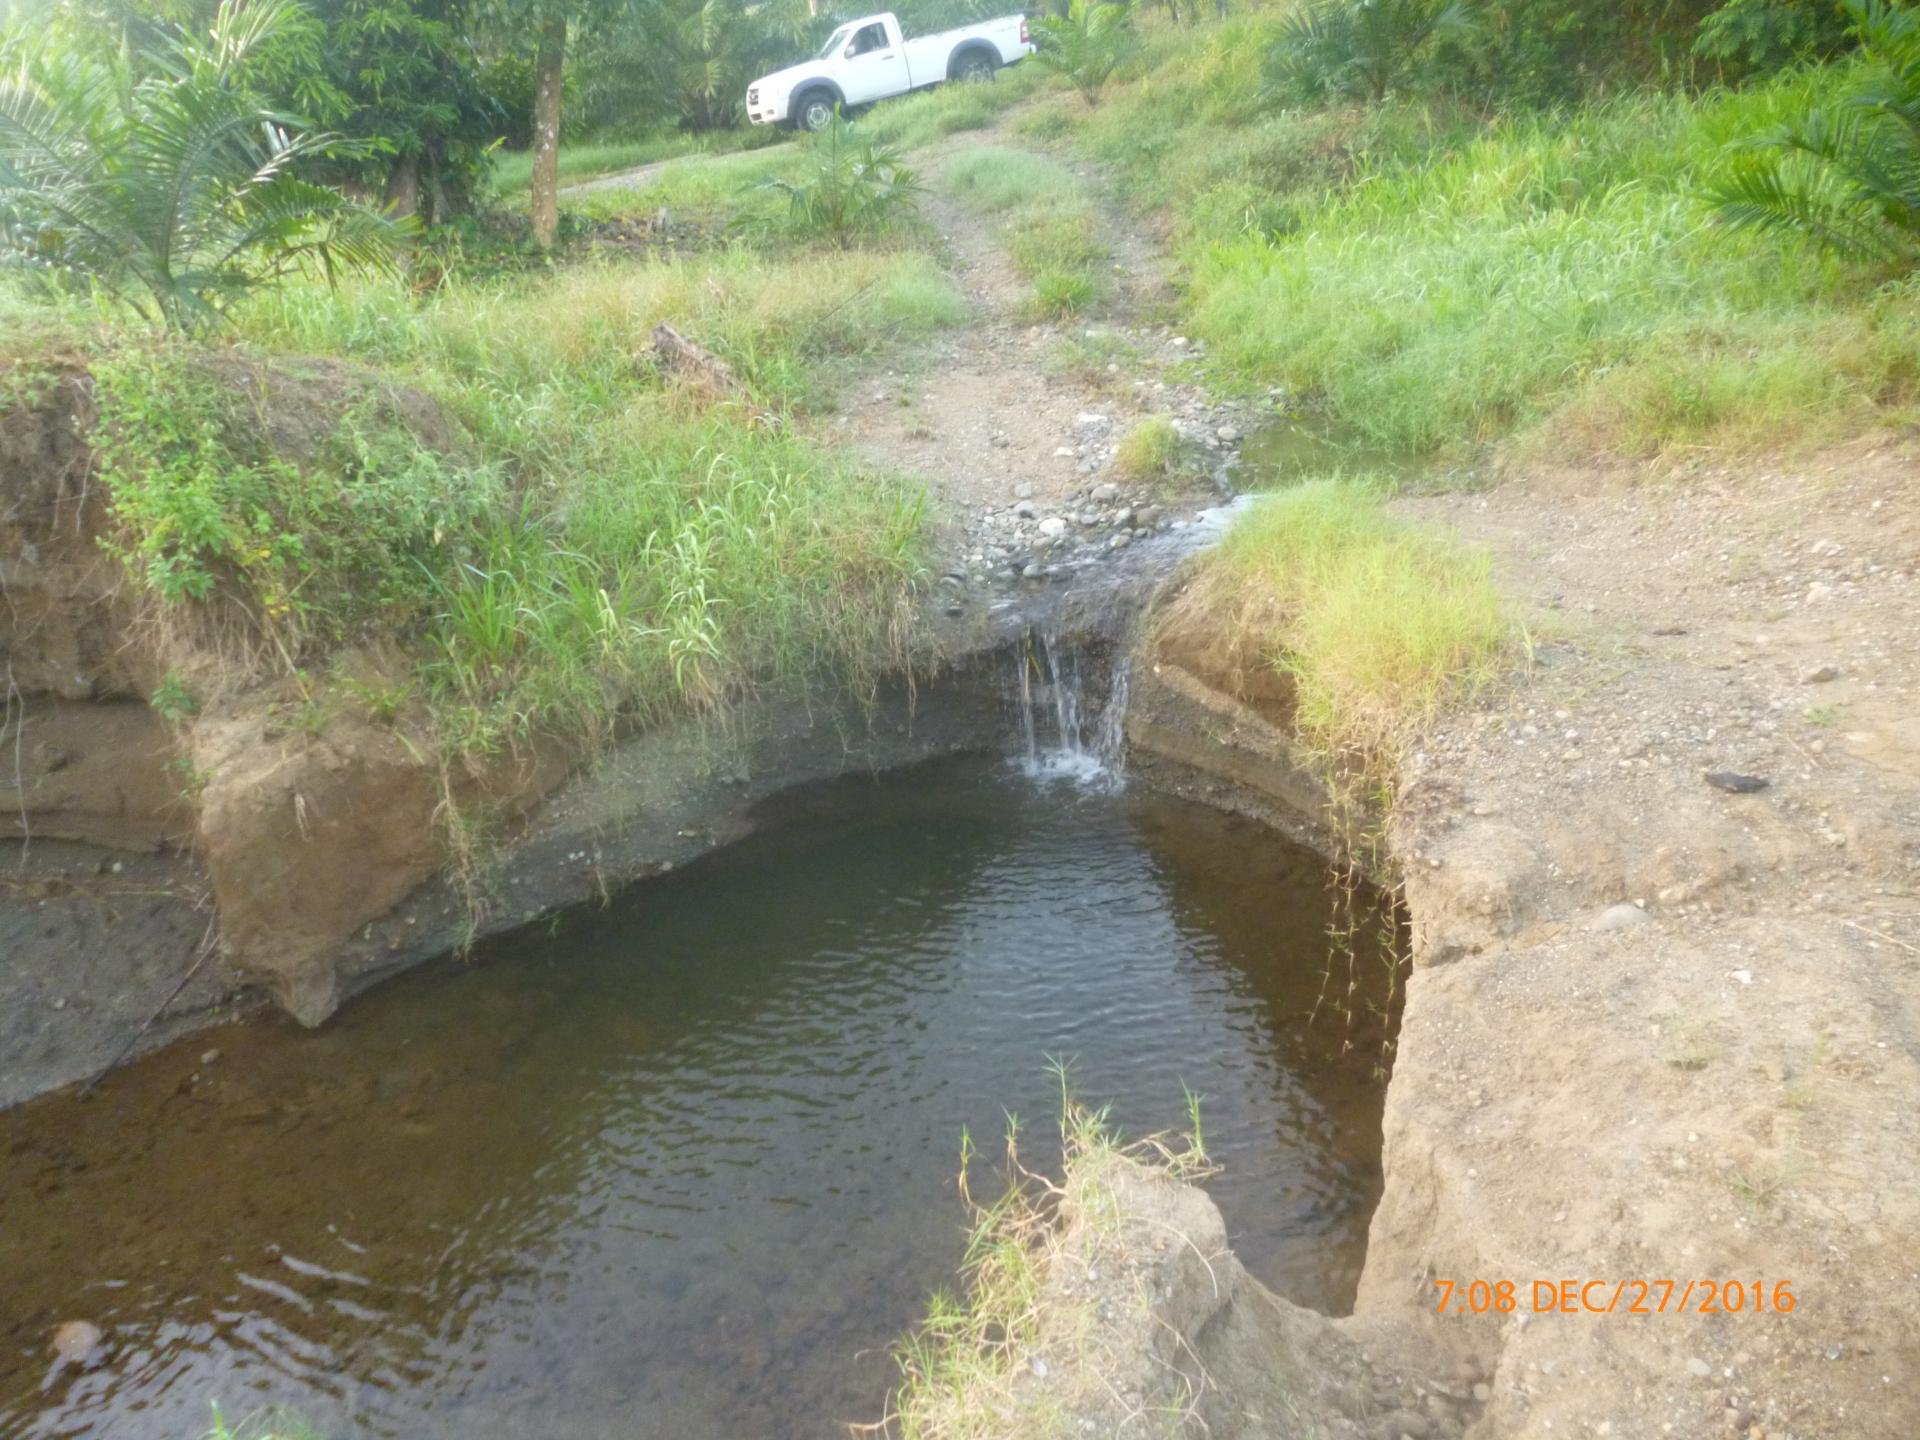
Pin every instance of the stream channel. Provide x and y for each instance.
(684, 1166)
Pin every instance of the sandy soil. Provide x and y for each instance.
(1664, 1030)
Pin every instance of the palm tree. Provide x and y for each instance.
(1849, 179)
(1362, 48)
(172, 187)
(1087, 44)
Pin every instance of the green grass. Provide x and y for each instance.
(605, 544)
(513, 169)
(1151, 453)
(1378, 625)
(919, 119)
(1433, 278)
(1048, 223)
(723, 185)
(1025, 1295)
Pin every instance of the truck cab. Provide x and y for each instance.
(870, 59)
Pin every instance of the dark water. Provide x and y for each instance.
(684, 1167)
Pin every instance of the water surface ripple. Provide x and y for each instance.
(683, 1167)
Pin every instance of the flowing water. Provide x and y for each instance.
(684, 1166)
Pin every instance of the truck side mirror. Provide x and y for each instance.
(848, 53)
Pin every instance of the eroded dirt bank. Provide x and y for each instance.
(1660, 1028)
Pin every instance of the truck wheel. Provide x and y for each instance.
(814, 112)
(974, 68)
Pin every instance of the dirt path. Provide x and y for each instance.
(1012, 421)
(619, 180)
(1667, 1030)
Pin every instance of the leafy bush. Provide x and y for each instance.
(1365, 48)
(848, 188)
(1846, 178)
(176, 189)
(1087, 44)
(206, 511)
(1758, 36)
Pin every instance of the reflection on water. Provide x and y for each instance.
(684, 1167)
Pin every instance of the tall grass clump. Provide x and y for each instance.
(1377, 625)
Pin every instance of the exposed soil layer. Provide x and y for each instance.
(1662, 1030)
(1659, 1029)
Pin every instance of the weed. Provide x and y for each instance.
(270, 1424)
(1435, 278)
(1687, 1042)
(957, 1370)
(173, 699)
(1151, 452)
(848, 189)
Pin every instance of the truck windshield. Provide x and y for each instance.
(834, 42)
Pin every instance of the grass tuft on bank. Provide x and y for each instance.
(1379, 626)
(966, 1371)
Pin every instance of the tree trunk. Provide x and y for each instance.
(402, 195)
(546, 130)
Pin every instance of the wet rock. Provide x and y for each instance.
(1053, 527)
(77, 1342)
(1105, 494)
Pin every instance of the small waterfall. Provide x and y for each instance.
(1060, 745)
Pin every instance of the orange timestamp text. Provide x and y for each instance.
(1614, 1297)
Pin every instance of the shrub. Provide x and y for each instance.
(1364, 48)
(848, 188)
(1766, 35)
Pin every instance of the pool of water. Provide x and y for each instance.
(684, 1166)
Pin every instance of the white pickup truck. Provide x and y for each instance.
(869, 59)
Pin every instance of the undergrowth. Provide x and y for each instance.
(600, 543)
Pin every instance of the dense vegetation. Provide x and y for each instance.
(1434, 225)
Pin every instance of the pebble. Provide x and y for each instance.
(1053, 527)
(1820, 675)
(1697, 1366)
(1618, 917)
(76, 1342)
